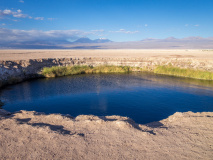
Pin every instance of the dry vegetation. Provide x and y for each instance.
(180, 72)
(58, 71)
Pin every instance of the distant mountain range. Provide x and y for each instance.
(173, 39)
(86, 43)
(87, 40)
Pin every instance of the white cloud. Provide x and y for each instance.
(19, 11)
(19, 15)
(39, 18)
(98, 30)
(146, 25)
(3, 24)
(7, 12)
(197, 25)
(21, 1)
(16, 14)
(18, 36)
(186, 25)
(124, 31)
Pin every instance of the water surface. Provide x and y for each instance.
(140, 96)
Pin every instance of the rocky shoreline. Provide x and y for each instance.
(19, 70)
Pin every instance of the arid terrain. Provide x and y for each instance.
(106, 53)
(32, 135)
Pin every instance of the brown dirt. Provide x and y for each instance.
(32, 135)
(105, 53)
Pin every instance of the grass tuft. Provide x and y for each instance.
(58, 71)
(180, 72)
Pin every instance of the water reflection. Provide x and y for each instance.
(144, 97)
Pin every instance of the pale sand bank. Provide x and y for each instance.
(29, 135)
(105, 53)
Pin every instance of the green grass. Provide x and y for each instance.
(190, 73)
(57, 71)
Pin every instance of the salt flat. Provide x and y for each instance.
(106, 53)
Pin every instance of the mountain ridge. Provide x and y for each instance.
(88, 40)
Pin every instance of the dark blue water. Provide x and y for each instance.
(142, 97)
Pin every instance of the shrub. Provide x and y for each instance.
(57, 71)
(191, 73)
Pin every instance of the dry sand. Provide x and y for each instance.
(105, 53)
(30, 135)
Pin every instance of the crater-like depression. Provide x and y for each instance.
(144, 97)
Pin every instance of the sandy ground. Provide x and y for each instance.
(31, 135)
(105, 53)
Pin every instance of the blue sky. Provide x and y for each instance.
(117, 20)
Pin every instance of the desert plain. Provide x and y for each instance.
(32, 135)
(106, 53)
